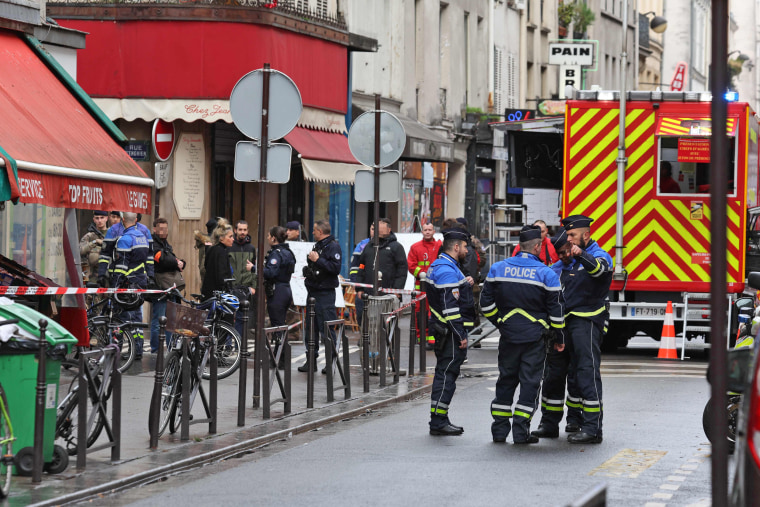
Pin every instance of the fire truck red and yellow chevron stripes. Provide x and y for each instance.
(660, 237)
(682, 126)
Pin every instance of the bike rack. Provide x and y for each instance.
(390, 347)
(311, 352)
(332, 354)
(87, 386)
(39, 406)
(413, 333)
(284, 353)
(187, 401)
(365, 341)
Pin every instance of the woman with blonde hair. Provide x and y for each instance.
(217, 262)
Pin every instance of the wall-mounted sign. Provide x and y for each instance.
(138, 150)
(693, 150)
(161, 174)
(571, 53)
(697, 210)
(164, 137)
(189, 188)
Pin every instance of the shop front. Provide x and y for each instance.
(59, 154)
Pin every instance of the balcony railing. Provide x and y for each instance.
(292, 8)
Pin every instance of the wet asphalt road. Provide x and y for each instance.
(654, 451)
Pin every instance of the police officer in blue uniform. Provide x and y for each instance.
(450, 298)
(586, 290)
(522, 297)
(107, 252)
(558, 367)
(131, 254)
(279, 265)
(321, 273)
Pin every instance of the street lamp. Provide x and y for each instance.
(658, 23)
(741, 56)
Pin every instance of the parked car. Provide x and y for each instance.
(744, 376)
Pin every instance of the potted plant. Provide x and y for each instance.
(582, 18)
(565, 11)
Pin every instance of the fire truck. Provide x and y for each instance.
(663, 251)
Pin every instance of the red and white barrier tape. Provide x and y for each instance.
(63, 291)
(404, 307)
(387, 291)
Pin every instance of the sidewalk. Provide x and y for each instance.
(140, 465)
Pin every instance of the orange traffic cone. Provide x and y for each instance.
(668, 339)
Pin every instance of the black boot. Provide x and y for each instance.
(544, 431)
(304, 368)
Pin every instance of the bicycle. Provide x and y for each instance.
(68, 409)
(6, 438)
(171, 392)
(228, 340)
(106, 327)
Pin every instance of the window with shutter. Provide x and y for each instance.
(511, 79)
(498, 81)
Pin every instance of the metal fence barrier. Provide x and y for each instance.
(242, 375)
(158, 383)
(192, 368)
(594, 497)
(332, 358)
(110, 385)
(273, 358)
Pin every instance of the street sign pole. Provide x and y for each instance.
(376, 236)
(259, 341)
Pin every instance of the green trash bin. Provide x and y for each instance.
(18, 375)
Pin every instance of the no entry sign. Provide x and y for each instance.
(163, 139)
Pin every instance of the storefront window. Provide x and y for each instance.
(321, 201)
(32, 235)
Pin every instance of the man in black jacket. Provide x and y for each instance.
(165, 264)
(391, 262)
(321, 273)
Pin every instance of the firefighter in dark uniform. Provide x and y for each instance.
(522, 297)
(586, 288)
(558, 367)
(451, 302)
(321, 273)
(279, 265)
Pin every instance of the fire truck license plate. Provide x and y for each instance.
(647, 311)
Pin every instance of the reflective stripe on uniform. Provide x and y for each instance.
(552, 405)
(587, 314)
(501, 410)
(573, 402)
(520, 311)
(592, 406)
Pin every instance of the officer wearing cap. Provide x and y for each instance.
(522, 297)
(558, 367)
(449, 295)
(293, 230)
(586, 285)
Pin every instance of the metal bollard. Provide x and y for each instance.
(286, 352)
(311, 353)
(413, 335)
(396, 351)
(158, 386)
(365, 341)
(243, 367)
(39, 406)
(212, 385)
(184, 433)
(346, 365)
(326, 339)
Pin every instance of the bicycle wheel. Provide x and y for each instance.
(6, 447)
(67, 419)
(169, 390)
(125, 339)
(227, 351)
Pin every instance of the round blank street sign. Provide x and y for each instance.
(361, 138)
(284, 104)
(164, 137)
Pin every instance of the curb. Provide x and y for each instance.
(220, 454)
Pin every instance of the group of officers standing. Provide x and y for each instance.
(551, 320)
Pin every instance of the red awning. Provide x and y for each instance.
(64, 156)
(318, 145)
(325, 156)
